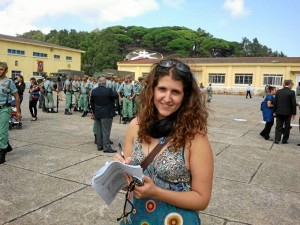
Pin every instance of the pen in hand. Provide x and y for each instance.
(121, 150)
(136, 181)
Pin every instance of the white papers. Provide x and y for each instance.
(110, 179)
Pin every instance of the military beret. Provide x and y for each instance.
(3, 65)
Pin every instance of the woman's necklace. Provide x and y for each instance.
(161, 141)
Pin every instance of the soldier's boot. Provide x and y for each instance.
(80, 109)
(2, 155)
(75, 109)
(125, 119)
(9, 148)
(52, 110)
(95, 141)
(67, 112)
(84, 114)
(48, 110)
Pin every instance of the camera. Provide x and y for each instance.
(137, 181)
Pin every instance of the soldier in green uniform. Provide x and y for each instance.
(68, 91)
(49, 102)
(128, 92)
(7, 89)
(76, 89)
(209, 93)
(84, 93)
(108, 81)
(115, 87)
(138, 88)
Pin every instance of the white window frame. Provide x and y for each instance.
(216, 78)
(15, 73)
(15, 51)
(39, 74)
(39, 55)
(273, 79)
(242, 78)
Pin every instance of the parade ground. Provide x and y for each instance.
(46, 179)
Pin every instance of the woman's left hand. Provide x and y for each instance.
(146, 190)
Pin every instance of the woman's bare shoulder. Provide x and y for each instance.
(200, 139)
(133, 127)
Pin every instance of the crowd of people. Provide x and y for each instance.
(79, 96)
(280, 104)
(77, 91)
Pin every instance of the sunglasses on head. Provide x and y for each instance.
(178, 65)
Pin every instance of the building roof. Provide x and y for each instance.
(36, 42)
(224, 60)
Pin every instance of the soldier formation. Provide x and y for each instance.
(77, 92)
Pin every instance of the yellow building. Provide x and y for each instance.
(35, 58)
(231, 75)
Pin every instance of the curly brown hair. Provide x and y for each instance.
(192, 114)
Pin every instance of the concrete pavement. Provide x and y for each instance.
(47, 177)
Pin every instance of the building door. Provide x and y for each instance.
(15, 73)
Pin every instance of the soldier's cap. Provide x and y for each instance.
(3, 65)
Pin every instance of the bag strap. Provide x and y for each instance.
(154, 152)
(8, 93)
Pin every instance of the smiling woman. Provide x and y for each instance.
(178, 181)
(168, 95)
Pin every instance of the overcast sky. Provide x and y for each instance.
(275, 23)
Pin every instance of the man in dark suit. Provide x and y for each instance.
(103, 111)
(285, 110)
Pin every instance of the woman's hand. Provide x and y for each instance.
(146, 190)
(119, 158)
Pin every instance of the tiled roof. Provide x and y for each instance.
(223, 60)
(36, 42)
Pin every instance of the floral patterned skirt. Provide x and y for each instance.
(155, 212)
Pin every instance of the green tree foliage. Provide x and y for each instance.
(104, 48)
(33, 34)
(137, 34)
(180, 46)
(256, 49)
